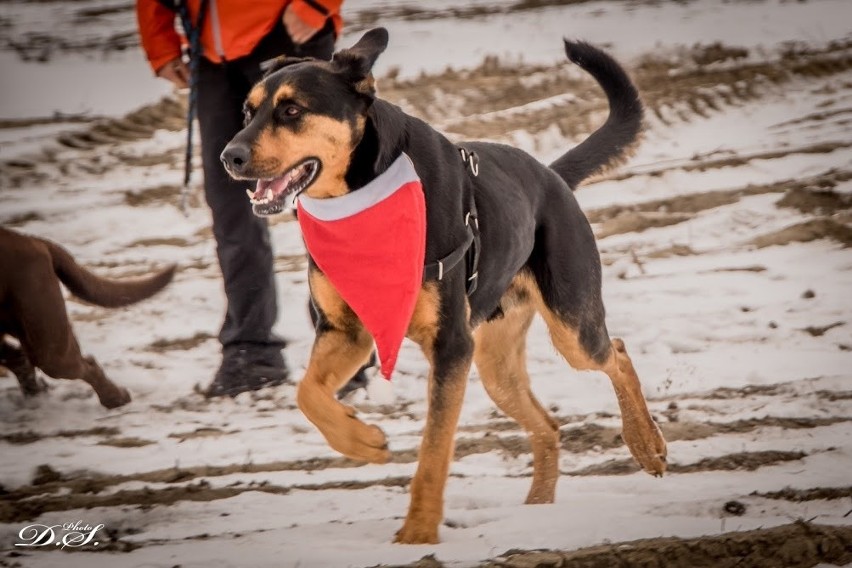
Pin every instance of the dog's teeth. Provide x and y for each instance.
(250, 193)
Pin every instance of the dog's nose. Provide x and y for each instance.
(236, 157)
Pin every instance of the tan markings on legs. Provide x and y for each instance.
(446, 393)
(436, 452)
(424, 320)
(500, 357)
(640, 432)
(337, 354)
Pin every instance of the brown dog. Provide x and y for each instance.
(505, 239)
(32, 310)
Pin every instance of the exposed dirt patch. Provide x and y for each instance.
(580, 439)
(806, 231)
(146, 497)
(725, 393)
(12, 511)
(798, 545)
(179, 343)
(833, 396)
(169, 113)
(744, 461)
(291, 263)
(28, 436)
(201, 433)
(820, 330)
(801, 495)
(636, 222)
(161, 194)
(128, 442)
(820, 202)
(674, 87)
(22, 219)
(161, 242)
(637, 217)
(702, 164)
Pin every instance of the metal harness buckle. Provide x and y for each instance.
(471, 160)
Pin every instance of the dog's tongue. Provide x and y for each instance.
(272, 188)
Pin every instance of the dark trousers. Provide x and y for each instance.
(242, 239)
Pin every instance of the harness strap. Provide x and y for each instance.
(440, 268)
(469, 249)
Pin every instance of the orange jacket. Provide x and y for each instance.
(239, 25)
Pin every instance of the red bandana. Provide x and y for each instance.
(371, 244)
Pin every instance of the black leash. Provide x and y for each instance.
(469, 249)
(193, 34)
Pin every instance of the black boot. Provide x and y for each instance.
(247, 368)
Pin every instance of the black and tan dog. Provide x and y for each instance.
(317, 128)
(32, 310)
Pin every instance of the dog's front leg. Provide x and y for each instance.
(447, 342)
(341, 347)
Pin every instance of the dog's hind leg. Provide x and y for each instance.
(14, 359)
(109, 394)
(47, 338)
(341, 347)
(500, 357)
(587, 346)
(444, 335)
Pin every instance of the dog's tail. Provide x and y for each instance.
(611, 142)
(100, 291)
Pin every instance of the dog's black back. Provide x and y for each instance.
(524, 208)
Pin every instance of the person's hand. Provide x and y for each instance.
(175, 71)
(299, 31)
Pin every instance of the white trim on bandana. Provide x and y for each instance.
(400, 173)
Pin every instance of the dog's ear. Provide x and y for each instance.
(270, 66)
(356, 63)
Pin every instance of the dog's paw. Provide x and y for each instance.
(417, 533)
(648, 447)
(114, 399)
(359, 441)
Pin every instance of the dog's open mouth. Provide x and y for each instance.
(270, 196)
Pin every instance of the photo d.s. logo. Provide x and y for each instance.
(66, 535)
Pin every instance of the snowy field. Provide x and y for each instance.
(727, 269)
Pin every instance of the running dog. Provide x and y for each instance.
(505, 239)
(32, 310)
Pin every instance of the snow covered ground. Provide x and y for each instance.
(725, 242)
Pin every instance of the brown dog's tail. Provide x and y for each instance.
(101, 291)
(611, 142)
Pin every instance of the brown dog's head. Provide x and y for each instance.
(302, 122)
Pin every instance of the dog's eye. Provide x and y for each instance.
(246, 116)
(292, 110)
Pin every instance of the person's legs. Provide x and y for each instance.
(320, 46)
(251, 352)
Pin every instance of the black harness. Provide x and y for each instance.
(469, 249)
